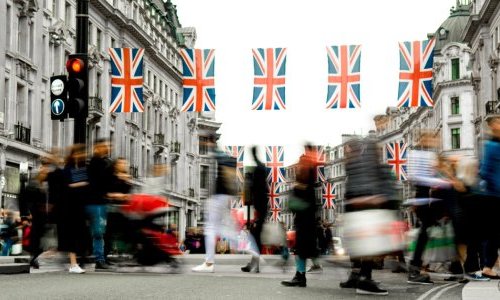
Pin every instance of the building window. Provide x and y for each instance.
(204, 177)
(203, 147)
(455, 138)
(98, 39)
(455, 106)
(8, 28)
(455, 69)
(67, 14)
(91, 29)
(98, 85)
(113, 42)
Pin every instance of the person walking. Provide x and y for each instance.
(72, 227)
(99, 175)
(490, 187)
(35, 199)
(258, 197)
(218, 206)
(422, 173)
(472, 205)
(305, 221)
(117, 195)
(369, 186)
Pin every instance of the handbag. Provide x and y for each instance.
(372, 232)
(273, 234)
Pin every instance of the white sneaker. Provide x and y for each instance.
(76, 269)
(204, 268)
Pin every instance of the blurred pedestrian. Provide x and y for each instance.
(35, 199)
(490, 185)
(305, 211)
(369, 186)
(72, 213)
(258, 194)
(99, 172)
(218, 206)
(423, 174)
(118, 193)
(473, 207)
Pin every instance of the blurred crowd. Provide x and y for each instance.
(451, 217)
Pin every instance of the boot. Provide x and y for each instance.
(352, 282)
(298, 280)
(252, 266)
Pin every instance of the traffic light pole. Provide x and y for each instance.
(82, 41)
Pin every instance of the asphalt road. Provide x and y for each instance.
(228, 282)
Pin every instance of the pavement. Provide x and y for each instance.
(227, 272)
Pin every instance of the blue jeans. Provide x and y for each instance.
(8, 242)
(97, 216)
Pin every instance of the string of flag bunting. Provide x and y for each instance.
(395, 156)
(343, 82)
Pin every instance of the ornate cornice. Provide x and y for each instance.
(58, 33)
(95, 56)
(27, 8)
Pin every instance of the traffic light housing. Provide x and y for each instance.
(58, 97)
(78, 89)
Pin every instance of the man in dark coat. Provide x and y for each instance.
(305, 221)
(99, 172)
(258, 194)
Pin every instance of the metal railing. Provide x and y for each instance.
(492, 108)
(22, 134)
(95, 105)
(134, 171)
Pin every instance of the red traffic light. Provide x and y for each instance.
(75, 65)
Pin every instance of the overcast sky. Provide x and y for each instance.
(305, 28)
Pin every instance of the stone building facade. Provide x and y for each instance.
(35, 40)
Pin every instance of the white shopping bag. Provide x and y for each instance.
(372, 232)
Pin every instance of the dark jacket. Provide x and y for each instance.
(99, 173)
(490, 167)
(259, 190)
(34, 199)
(366, 175)
(305, 221)
(224, 185)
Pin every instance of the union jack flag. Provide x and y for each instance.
(328, 195)
(236, 203)
(269, 82)
(415, 73)
(274, 191)
(344, 76)
(275, 201)
(237, 152)
(198, 80)
(275, 156)
(126, 80)
(397, 158)
(320, 173)
(319, 152)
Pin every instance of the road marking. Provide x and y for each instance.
(441, 292)
(424, 296)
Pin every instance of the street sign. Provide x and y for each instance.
(57, 87)
(58, 98)
(57, 107)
